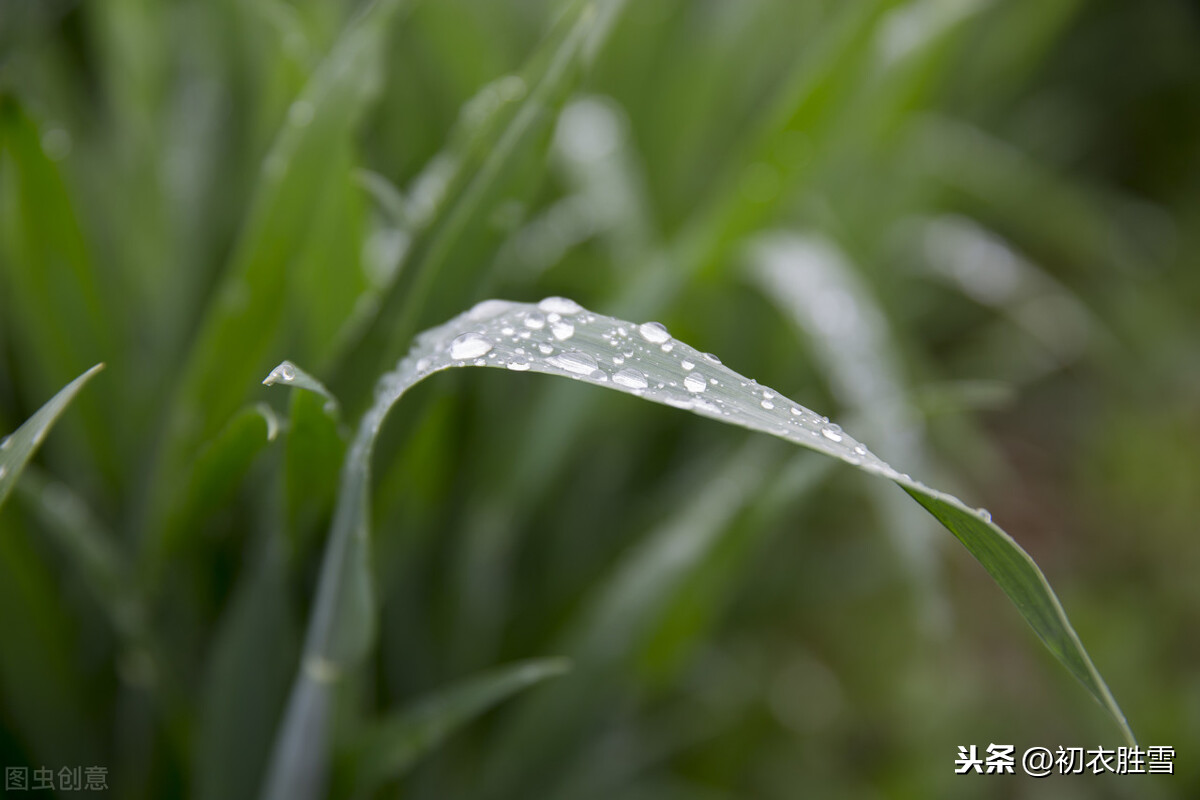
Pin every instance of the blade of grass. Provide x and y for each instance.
(392, 745)
(249, 306)
(558, 337)
(343, 621)
(17, 448)
(466, 180)
(214, 475)
(246, 681)
(50, 289)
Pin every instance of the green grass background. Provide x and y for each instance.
(191, 192)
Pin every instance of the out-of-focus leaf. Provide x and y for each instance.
(250, 304)
(17, 448)
(246, 683)
(216, 473)
(390, 747)
(495, 125)
(50, 293)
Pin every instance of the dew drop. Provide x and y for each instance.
(469, 345)
(575, 362)
(545, 349)
(562, 330)
(695, 383)
(768, 395)
(668, 347)
(654, 332)
(860, 449)
(687, 364)
(796, 412)
(767, 404)
(631, 379)
(535, 320)
(518, 365)
(487, 309)
(618, 360)
(983, 512)
(559, 305)
(712, 358)
(832, 432)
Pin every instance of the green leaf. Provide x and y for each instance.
(558, 337)
(494, 126)
(392, 745)
(214, 475)
(19, 447)
(246, 682)
(250, 304)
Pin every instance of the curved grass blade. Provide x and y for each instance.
(343, 620)
(394, 744)
(18, 448)
(559, 337)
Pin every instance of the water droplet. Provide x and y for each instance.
(767, 404)
(983, 512)
(618, 360)
(687, 364)
(559, 305)
(535, 320)
(694, 383)
(860, 449)
(668, 347)
(287, 372)
(678, 402)
(574, 361)
(518, 365)
(545, 349)
(832, 432)
(631, 379)
(796, 412)
(562, 330)
(768, 395)
(487, 309)
(654, 332)
(712, 358)
(469, 345)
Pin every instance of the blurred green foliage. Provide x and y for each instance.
(193, 191)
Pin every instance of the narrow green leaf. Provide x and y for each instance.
(90, 548)
(250, 303)
(215, 474)
(19, 447)
(495, 125)
(389, 748)
(246, 680)
(313, 452)
(558, 337)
